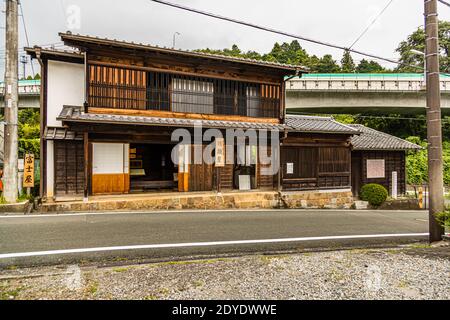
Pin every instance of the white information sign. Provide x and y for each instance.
(394, 189)
(289, 168)
(244, 182)
(375, 168)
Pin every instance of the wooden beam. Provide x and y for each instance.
(86, 165)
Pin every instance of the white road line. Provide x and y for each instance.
(202, 244)
(100, 213)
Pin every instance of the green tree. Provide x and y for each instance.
(417, 162)
(347, 63)
(326, 64)
(291, 53)
(29, 131)
(365, 66)
(416, 41)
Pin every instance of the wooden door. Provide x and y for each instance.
(201, 175)
(69, 168)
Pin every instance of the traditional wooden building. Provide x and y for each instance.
(109, 110)
(316, 154)
(378, 157)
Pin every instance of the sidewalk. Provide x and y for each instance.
(330, 199)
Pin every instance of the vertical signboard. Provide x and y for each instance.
(220, 152)
(28, 171)
(394, 188)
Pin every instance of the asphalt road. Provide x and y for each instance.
(21, 234)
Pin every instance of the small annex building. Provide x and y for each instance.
(378, 157)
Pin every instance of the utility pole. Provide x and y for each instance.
(434, 129)
(10, 181)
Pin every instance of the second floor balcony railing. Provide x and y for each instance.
(184, 94)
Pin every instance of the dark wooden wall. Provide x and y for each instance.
(320, 162)
(394, 161)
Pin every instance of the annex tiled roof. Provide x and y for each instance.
(58, 133)
(371, 139)
(71, 38)
(74, 114)
(313, 124)
(54, 52)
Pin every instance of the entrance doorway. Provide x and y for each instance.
(151, 168)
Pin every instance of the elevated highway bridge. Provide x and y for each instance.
(383, 93)
(29, 94)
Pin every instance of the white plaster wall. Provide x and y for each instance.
(65, 87)
(50, 169)
(110, 158)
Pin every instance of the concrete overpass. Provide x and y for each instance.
(326, 93)
(362, 93)
(29, 92)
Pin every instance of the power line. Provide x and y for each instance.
(248, 24)
(26, 35)
(445, 3)
(372, 23)
(366, 116)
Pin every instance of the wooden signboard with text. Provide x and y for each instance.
(220, 153)
(28, 171)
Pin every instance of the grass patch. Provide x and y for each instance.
(150, 297)
(24, 197)
(198, 283)
(269, 258)
(92, 288)
(420, 246)
(188, 262)
(164, 291)
(392, 251)
(119, 270)
(7, 293)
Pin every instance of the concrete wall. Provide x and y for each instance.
(65, 87)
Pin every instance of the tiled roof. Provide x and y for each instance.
(74, 114)
(371, 139)
(58, 133)
(313, 124)
(70, 38)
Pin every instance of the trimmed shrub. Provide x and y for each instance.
(374, 193)
(444, 218)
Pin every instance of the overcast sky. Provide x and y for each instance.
(333, 21)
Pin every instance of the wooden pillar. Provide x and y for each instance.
(86, 165)
(218, 179)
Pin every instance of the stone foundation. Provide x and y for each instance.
(208, 200)
(318, 199)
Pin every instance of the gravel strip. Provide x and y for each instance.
(353, 274)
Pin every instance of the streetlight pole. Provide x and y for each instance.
(174, 35)
(434, 129)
